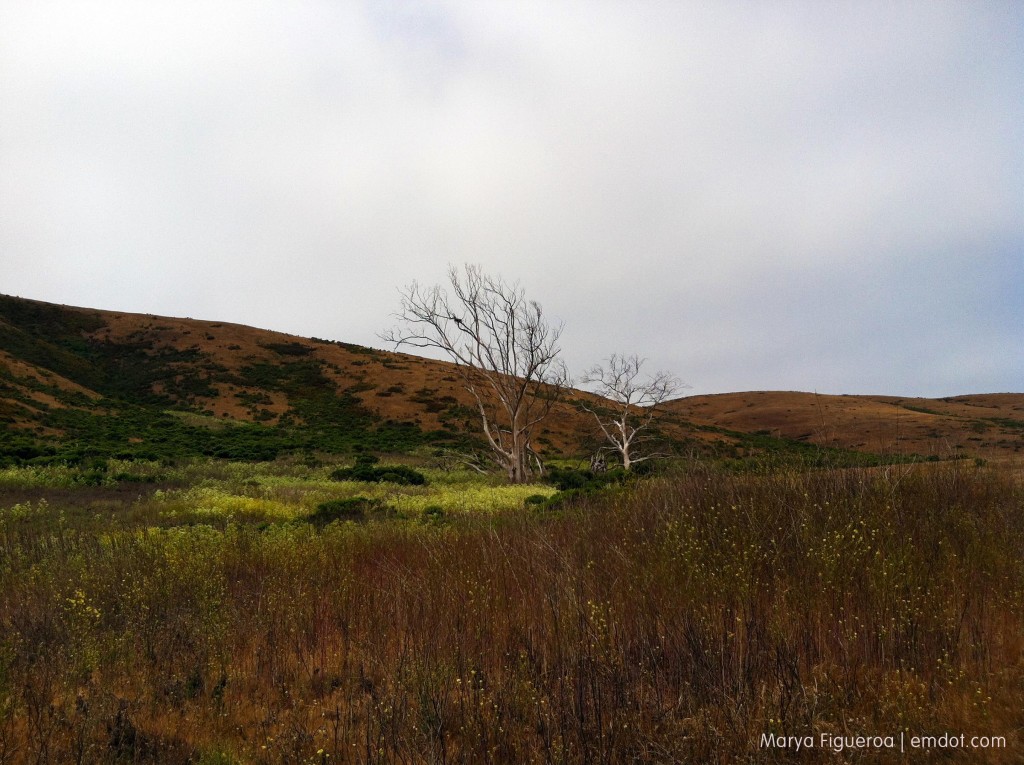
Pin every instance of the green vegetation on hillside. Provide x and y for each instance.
(144, 389)
(765, 452)
(151, 401)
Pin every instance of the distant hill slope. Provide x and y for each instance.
(983, 424)
(79, 382)
(142, 385)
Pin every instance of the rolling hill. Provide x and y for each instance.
(78, 381)
(81, 382)
(976, 425)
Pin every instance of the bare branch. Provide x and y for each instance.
(503, 348)
(635, 401)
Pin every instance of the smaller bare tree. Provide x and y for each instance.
(636, 402)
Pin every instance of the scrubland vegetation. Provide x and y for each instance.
(202, 559)
(197, 613)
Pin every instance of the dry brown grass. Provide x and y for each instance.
(672, 623)
(881, 424)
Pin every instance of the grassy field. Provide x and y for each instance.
(194, 614)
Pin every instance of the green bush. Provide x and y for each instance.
(561, 499)
(566, 479)
(351, 509)
(364, 470)
(433, 514)
(646, 468)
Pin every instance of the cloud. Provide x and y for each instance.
(781, 195)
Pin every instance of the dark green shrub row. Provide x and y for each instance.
(350, 509)
(365, 469)
(565, 479)
(572, 483)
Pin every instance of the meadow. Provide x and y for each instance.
(197, 613)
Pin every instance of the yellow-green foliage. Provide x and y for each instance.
(24, 510)
(272, 492)
(468, 499)
(213, 502)
(55, 476)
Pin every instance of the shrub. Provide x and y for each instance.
(433, 514)
(364, 470)
(566, 479)
(561, 499)
(646, 468)
(351, 509)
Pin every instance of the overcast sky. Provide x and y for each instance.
(758, 195)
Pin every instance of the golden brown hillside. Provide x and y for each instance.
(69, 358)
(63, 369)
(989, 424)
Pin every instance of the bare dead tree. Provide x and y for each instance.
(635, 400)
(503, 348)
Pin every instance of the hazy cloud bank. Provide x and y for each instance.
(795, 195)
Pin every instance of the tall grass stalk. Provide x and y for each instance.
(673, 622)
